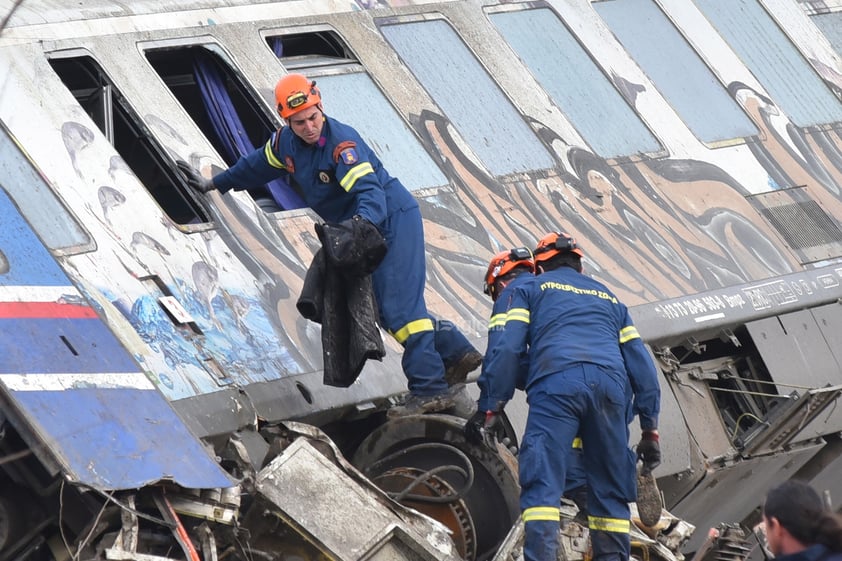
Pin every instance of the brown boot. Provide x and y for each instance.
(420, 404)
(458, 371)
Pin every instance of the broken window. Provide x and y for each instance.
(227, 111)
(738, 381)
(678, 72)
(577, 85)
(105, 104)
(469, 97)
(346, 89)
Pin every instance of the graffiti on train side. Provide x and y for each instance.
(636, 221)
(652, 229)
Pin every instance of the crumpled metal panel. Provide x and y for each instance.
(343, 513)
(732, 492)
(72, 390)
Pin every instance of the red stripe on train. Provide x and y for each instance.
(51, 310)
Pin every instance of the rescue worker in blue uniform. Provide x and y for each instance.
(342, 179)
(506, 271)
(583, 351)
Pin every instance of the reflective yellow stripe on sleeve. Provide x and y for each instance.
(270, 156)
(628, 333)
(497, 320)
(617, 525)
(355, 173)
(411, 328)
(550, 513)
(518, 314)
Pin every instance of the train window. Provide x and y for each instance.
(831, 25)
(472, 101)
(300, 51)
(42, 209)
(774, 60)
(380, 124)
(96, 93)
(576, 84)
(677, 71)
(228, 112)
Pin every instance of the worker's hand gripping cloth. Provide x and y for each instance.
(338, 293)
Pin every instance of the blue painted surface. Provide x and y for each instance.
(120, 438)
(109, 438)
(34, 345)
(30, 262)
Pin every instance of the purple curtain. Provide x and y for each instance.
(230, 131)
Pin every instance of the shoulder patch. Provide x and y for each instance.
(346, 151)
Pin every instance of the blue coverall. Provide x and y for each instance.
(340, 177)
(576, 476)
(583, 352)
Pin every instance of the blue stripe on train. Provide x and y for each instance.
(109, 438)
(119, 438)
(60, 345)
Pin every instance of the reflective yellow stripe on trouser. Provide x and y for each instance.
(550, 513)
(411, 328)
(617, 525)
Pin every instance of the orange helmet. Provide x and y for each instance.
(294, 93)
(505, 262)
(555, 243)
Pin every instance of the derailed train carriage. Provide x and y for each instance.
(163, 398)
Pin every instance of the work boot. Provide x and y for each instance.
(464, 405)
(420, 404)
(457, 372)
(649, 503)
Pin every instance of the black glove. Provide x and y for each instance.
(195, 179)
(481, 424)
(649, 451)
(354, 246)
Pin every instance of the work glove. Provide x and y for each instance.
(195, 179)
(354, 246)
(649, 451)
(481, 425)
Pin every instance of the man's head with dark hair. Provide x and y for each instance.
(796, 518)
(561, 260)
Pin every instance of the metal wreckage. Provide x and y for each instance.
(161, 398)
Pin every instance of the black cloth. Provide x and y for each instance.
(338, 294)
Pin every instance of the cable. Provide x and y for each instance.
(740, 418)
(426, 476)
(128, 508)
(746, 392)
(403, 495)
(771, 383)
(75, 556)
